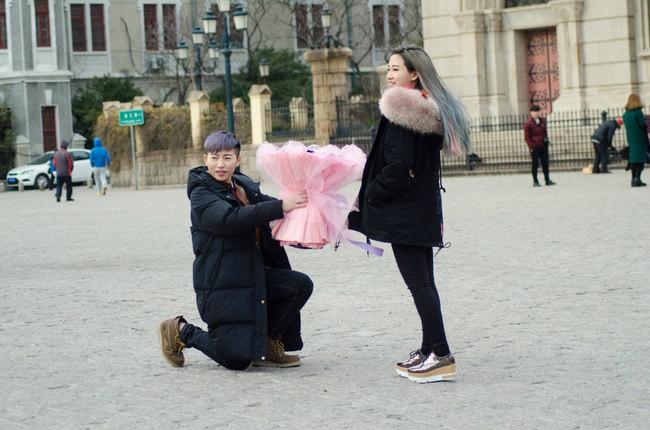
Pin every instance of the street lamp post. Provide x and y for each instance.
(264, 69)
(210, 28)
(240, 18)
(197, 40)
(326, 21)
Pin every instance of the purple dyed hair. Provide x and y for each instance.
(221, 141)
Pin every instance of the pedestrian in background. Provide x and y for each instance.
(399, 200)
(50, 173)
(63, 164)
(602, 141)
(100, 160)
(637, 137)
(537, 141)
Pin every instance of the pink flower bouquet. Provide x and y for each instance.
(320, 170)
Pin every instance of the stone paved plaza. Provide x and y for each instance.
(545, 292)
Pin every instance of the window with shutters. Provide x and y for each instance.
(97, 27)
(394, 30)
(378, 26)
(169, 25)
(236, 36)
(386, 21)
(309, 23)
(302, 26)
(150, 27)
(317, 24)
(3, 25)
(42, 15)
(78, 27)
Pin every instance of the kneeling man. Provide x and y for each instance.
(246, 292)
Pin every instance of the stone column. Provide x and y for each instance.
(78, 141)
(299, 111)
(471, 27)
(496, 76)
(329, 68)
(199, 102)
(381, 72)
(569, 50)
(260, 97)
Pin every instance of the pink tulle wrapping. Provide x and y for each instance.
(322, 172)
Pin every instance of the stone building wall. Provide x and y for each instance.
(479, 49)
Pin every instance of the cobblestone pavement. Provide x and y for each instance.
(545, 293)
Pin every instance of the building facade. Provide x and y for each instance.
(50, 48)
(35, 73)
(502, 56)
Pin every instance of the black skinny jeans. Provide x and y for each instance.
(67, 180)
(540, 155)
(415, 263)
(287, 291)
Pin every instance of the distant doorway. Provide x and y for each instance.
(48, 119)
(543, 69)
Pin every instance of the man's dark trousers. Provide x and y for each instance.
(287, 291)
(60, 180)
(540, 155)
(601, 157)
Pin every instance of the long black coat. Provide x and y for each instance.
(228, 274)
(399, 199)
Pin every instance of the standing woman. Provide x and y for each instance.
(637, 137)
(399, 200)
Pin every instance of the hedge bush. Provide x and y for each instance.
(163, 129)
(167, 128)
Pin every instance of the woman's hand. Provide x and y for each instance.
(294, 202)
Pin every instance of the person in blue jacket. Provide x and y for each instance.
(100, 160)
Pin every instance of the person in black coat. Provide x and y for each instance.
(246, 292)
(399, 200)
(602, 141)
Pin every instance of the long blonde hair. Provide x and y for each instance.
(633, 102)
(455, 119)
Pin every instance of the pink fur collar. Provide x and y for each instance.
(411, 109)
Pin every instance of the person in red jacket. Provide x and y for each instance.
(537, 141)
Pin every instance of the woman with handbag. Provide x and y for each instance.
(399, 200)
(637, 137)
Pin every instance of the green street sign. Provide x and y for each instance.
(132, 117)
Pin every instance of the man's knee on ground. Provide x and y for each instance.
(235, 365)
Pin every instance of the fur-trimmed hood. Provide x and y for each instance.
(412, 109)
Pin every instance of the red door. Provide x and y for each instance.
(543, 70)
(48, 117)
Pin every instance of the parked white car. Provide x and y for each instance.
(36, 173)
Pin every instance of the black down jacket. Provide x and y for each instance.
(399, 199)
(228, 273)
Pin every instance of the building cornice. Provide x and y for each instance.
(470, 22)
(567, 10)
(29, 77)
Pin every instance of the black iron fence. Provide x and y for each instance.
(497, 142)
(356, 123)
(291, 122)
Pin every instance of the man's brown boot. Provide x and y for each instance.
(276, 357)
(170, 343)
